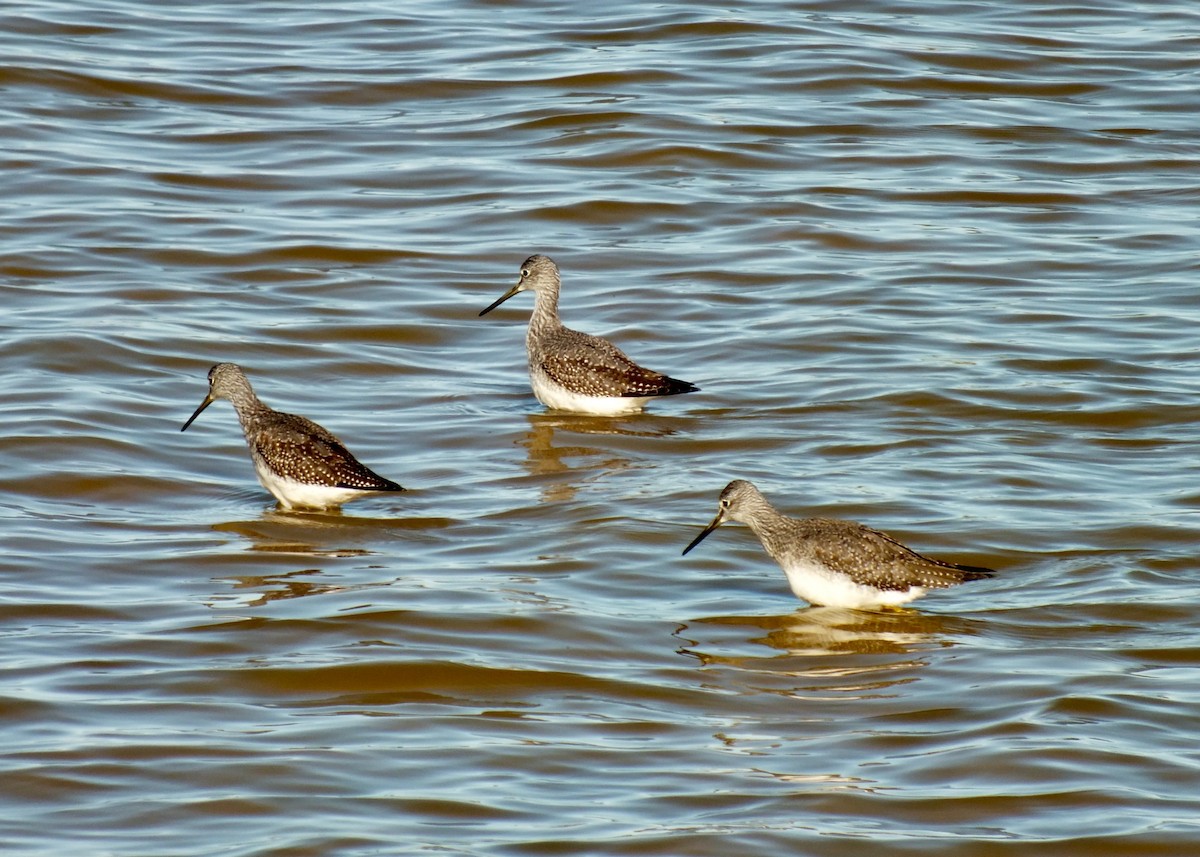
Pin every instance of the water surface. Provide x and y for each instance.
(933, 266)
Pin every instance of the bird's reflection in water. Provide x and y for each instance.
(313, 535)
(326, 533)
(552, 463)
(257, 590)
(302, 533)
(829, 649)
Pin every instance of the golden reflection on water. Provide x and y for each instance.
(286, 533)
(546, 460)
(290, 533)
(319, 533)
(257, 590)
(830, 650)
(262, 589)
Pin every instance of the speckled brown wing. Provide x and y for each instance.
(591, 366)
(297, 448)
(873, 558)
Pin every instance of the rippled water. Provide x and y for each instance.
(933, 265)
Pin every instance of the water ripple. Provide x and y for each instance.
(931, 265)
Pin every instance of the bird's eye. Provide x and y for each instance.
(724, 504)
(524, 273)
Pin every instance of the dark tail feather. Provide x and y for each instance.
(373, 482)
(673, 387)
(975, 572)
(655, 384)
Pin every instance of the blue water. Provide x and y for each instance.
(933, 267)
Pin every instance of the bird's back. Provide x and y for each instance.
(296, 448)
(869, 557)
(592, 366)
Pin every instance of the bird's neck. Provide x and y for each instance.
(249, 407)
(762, 517)
(545, 311)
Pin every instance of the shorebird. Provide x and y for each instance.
(574, 371)
(299, 462)
(836, 563)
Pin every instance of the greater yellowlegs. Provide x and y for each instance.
(837, 563)
(573, 371)
(299, 462)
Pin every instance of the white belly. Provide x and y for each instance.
(555, 395)
(817, 585)
(292, 494)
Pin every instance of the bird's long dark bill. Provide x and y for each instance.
(502, 299)
(716, 523)
(208, 400)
